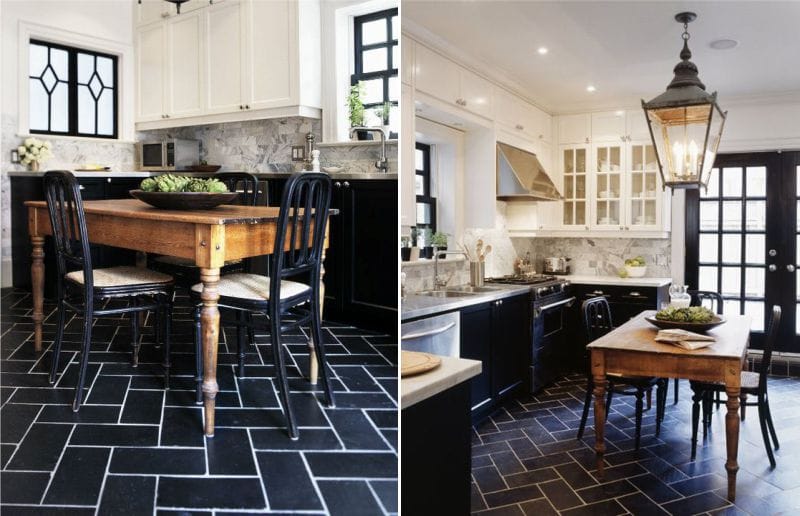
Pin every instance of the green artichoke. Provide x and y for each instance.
(149, 185)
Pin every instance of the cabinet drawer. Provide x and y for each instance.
(92, 189)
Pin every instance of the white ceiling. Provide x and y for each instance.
(625, 49)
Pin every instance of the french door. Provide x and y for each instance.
(743, 240)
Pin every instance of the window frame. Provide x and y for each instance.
(72, 90)
(425, 172)
(389, 44)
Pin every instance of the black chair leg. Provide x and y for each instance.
(639, 409)
(675, 402)
(84, 361)
(198, 357)
(661, 402)
(62, 315)
(251, 332)
(167, 308)
(770, 425)
(707, 405)
(587, 400)
(650, 398)
(280, 371)
(319, 349)
(241, 345)
(696, 397)
(134, 319)
(743, 404)
(762, 420)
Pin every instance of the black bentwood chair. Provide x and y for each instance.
(184, 270)
(712, 301)
(754, 383)
(80, 286)
(286, 304)
(597, 322)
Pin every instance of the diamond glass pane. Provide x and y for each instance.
(732, 182)
(756, 178)
(731, 248)
(709, 213)
(756, 215)
(731, 215)
(755, 310)
(373, 32)
(105, 69)
(95, 86)
(49, 79)
(86, 110)
(754, 282)
(754, 246)
(374, 60)
(731, 281)
(707, 278)
(37, 60)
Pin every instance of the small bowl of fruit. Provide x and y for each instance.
(635, 267)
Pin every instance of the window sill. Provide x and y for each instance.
(46, 137)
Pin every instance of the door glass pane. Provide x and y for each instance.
(756, 181)
(569, 190)
(754, 282)
(708, 215)
(569, 161)
(580, 160)
(755, 309)
(394, 89)
(732, 182)
(580, 186)
(731, 215)
(419, 159)
(797, 320)
(373, 91)
(731, 248)
(707, 279)
(373, 32)
(419, 183)
(423, 213)
(580, 213)
(374, 60)
(754, 248)
(756, 213)
(731, 281)
(731, 306)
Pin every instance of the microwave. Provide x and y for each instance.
(173, 154)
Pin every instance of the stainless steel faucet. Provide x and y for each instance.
(437, 281)
(382, 164)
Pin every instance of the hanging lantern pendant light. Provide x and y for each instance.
(685, 123)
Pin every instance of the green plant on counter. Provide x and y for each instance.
(439, 239)
(383, 111)
(355, 105)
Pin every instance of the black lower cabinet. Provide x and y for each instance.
(361, 260)
(31, 189)
(498, 334)
(436, 454)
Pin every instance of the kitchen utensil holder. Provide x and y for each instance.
(476, 273)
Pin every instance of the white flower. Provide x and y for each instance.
(48, 144)
(29, 141)
(26, 160)
(22, 150)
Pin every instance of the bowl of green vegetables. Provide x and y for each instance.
(170, 192)
(693, 318)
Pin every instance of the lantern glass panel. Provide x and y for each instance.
(680, 137)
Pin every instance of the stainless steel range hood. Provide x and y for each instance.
(520, 176)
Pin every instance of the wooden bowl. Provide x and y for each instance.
(688, 326)
(205, 168)
(184, 200)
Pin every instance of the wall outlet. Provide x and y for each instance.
(298, 153)
(15, 156)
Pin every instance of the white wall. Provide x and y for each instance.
(99, 24)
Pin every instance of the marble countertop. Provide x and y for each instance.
(616, 280)
(261, 175)
(414, 306)
(451, 372)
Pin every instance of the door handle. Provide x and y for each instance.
(790, 268)
(429, 333)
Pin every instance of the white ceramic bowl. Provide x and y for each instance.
(636, 272)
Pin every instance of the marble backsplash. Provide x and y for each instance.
(419, 274)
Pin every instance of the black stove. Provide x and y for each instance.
(550, 288)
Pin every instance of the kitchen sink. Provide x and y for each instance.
(446, 293)
(472, 290)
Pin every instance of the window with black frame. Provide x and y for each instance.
(71, 91)
(377, 59)
(426, 203)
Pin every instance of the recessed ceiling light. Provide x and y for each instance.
(542, 50)
(723, 44)
(591, 89)
(619, 113)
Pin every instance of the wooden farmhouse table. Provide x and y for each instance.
(631, 350)
(209, 237)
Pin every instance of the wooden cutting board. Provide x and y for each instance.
(415, 362)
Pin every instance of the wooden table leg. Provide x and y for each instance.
(37, 287)
(209, 323)
(732, 389)
(599, 378)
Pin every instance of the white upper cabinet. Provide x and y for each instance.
(521, 117)
(442, 78)
(574, 129)
(407, 69)
(241, 59)
(636, 125)
(154, 10)
(608, 126)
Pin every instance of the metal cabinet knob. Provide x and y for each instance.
(337, 184)
(346, 184)
(247, 106)
(772, 267)
(520, 127)
(790, 268)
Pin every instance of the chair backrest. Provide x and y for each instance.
(68, 221)
(243, 182)
(707, 298)
(596, 318)
(769, 343)
(303, 218)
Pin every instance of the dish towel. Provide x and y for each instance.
(684, 339)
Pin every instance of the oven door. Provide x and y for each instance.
(549, 321)
(152, 156)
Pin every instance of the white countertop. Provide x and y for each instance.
(616, 280)
(450, 373)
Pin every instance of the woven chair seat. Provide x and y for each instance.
(253, 287)
(121, 277)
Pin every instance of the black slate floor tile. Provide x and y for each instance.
(348, 498)
(342, 464)
(15, 420)
(560, 495)
(698, 503)
(158, 461)
(386, 490)
(22, 486)
(115, 435)
(79, 476)
(310, 439)
(127, 495)
(488, 479)
(513, 495)
(41, 447)
(355, 430)
(229, 453)
(287, 481)
(230, 493)
(143, 407)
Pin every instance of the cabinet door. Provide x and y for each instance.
(408, 172)
(184, 65)
(150, 68)
(511, 344)
(643, 189)
(149, 11)
(224, 50)
(436, 75)
(574, 128)
(636, 125)
(475, 338)
(407, 58)
(574, 166)
(542, 125)
(607, 166)
(271, 47)
(476, 94)
(608, 126)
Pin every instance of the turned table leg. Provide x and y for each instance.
(209, 323)
(732, 389)
(37, 287)
(599, 377)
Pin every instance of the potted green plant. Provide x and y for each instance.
(355, 108)
(383, 112)
(405, 248)
(439, 241)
